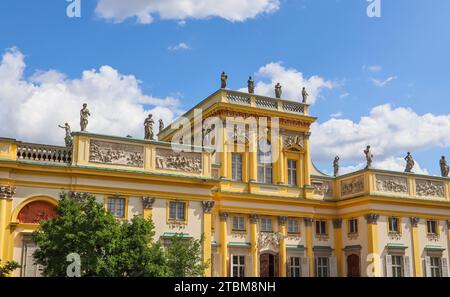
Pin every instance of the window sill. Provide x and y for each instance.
(177, 222)
(352, 235)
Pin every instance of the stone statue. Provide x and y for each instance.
(223, 80)
(444, 167)
(161, 125)
(278, 91)
(369, 157)
(336, 165)
(68, 137)
(304, 95)
(84, 116)
(409, 162)
(148, 124)
(251, 85)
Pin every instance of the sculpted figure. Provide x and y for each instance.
(84, 117)
(304, 95)
(409, 162)
(444, 167)
(336, 165)
(369, 157)
(251, 85)
(278, 91)
(223, 80)
(161, 125)
(148, 125)
(68, 137)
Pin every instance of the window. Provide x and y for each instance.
(264, 163)
(435, 267)
(394, 226)
(321, 227)
(322, 267)
(238, 266)
(292, 172)
(238, 223)
(236, 167)
(432, 227)
(353, 226)
(293, 226)
(177, 211)
(295, 267)
(266, 225)
(116, 206)
(397, 266)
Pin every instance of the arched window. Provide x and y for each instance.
(265, 166)
(36, 211)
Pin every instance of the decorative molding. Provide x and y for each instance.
(392, 184)
(429, 188)
(207, 206)
(254, 218)
(414, 221)
(307, 135)
(292, 141)
(7, 192)
(147, 202)
(168, 159)
(337, 223)
(352, 186)
(282, 220)
(308, 221)
(372, 218)
(223, 216)
(322, 188)
(269, 241)
(115, 153)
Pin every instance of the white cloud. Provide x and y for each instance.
(336, 115)
(382, 83)
(344, 95)
(179, 46)
(373, 68)
(291, 80)
(389, 163)
(145, 11)
(32, 108)
(389, 131)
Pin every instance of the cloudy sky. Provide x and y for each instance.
(379, 81)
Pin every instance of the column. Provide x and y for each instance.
(337, 224)
(281, 166)
(309, 245)
(283, 255)
(306, 169)
(254, 244)
(224, 170)
(147, 206)
(253, 156)
(207, 223)
(6, 194)
(372, 242)
(416, 246)
(223, 244)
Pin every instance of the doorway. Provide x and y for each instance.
(353, 266)
(268, 265)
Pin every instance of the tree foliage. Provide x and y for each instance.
(9, 267)
(184, 257)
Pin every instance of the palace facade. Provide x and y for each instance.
(284, 218)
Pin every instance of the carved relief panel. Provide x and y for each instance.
(292, 140)
(392, 184)
(352, 186)
(116, 153)
(322, 188)
(429, 188)
(183, 161)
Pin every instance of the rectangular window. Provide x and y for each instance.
(116, 206)
(321, 227)
(397, 266)
(394, 226)
(177, 211)
(353, 226)
(295, 267)
(238, 266)
(238, 223)
(265, 165)
(436, 267)
(236, 167)
(293, 226)
(322, 267)
(266, 225)
(432, 227)
(292, 172)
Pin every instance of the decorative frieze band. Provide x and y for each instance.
(7, 192)
(115, 153)
(372, 218)
(392, 184)
(207, 206)
(352, 186)
(430, 188)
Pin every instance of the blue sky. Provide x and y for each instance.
(399, 59)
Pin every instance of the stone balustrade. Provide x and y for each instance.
(43, 153)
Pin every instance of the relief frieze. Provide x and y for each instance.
(429, 188)
(392, 184)
(116, 153)
(168, 159)
(352, 186)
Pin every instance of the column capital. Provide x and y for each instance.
(308, 221)
(147, 202)
(7, 192)
(337, 223)
(207, 206)
(448, 224)
(254, 218)
(223, 216)
(307, 135)
(282, 220)
(414, 221)
(372, 218)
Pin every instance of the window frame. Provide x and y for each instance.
(235, 167)
(353, 222)
(322, 223)
(292, 172)
(297, 223)
(125, 206)
(398, 267)
(244, 225)
(294, 267)
(176, 219)
(240, 265)
(436, 227)
(322, 267)
(261, 225)
(436, 268)
(390, 225)
(263, 167)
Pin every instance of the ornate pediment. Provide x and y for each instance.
(292, 142)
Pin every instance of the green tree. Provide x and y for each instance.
(106, 247)
(9, 267)
(184, 257)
